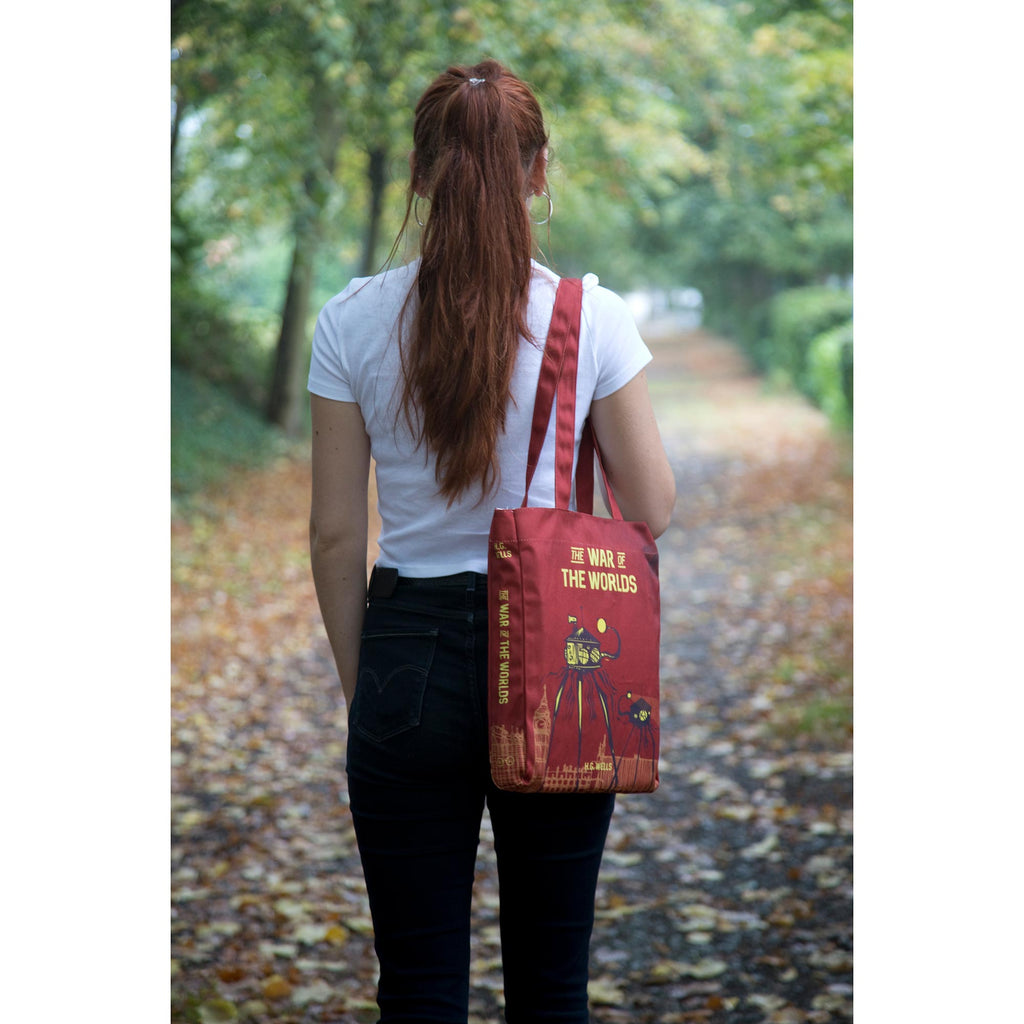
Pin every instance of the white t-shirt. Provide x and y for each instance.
(356, 359)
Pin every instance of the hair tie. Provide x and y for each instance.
(477, 81)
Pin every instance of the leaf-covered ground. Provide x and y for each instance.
(726, 896)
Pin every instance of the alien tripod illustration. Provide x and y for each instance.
(640, 714)
(584, 678)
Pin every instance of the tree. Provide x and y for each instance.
(766, 88)
(692, 141)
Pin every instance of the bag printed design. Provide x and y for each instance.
(573, 613)
(588, 719)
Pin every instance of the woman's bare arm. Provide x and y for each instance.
(633, 455)
(337, 528)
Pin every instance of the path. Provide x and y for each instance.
(724, 897)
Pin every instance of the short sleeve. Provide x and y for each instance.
(328, 375)
(619, 350)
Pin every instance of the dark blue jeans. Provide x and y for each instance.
(418, 778)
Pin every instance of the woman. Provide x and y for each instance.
(431, 368)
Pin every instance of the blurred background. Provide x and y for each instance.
(701, 165)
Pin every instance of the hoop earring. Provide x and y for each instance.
(416, 211)
(551, 210)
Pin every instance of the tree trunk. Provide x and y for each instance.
(179, 110)
(377, 180)
(285, 403)
(284, 407)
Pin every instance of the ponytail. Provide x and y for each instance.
(477, 135)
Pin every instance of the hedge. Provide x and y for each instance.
(830, 374)
(796, 318)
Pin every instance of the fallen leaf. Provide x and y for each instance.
(276, 987)
(217, 1011)
(665, 971)
(836, 960)
(604, 992)
(291, 908)
(622, 860)
(318, 991)
(286, 950)
(761, 849)
(309, 933)
(766, 1002)
(788, 1015)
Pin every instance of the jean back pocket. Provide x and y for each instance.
(393, 670)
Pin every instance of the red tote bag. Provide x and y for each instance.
(573, 614)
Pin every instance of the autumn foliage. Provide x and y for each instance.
(724, 897)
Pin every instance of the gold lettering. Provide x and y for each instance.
(574, 578)
(503, 673)
(610, 582)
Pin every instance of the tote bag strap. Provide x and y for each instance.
(561, 352)
(585, 475)
(558, 377)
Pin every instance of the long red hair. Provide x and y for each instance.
(477, 135)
